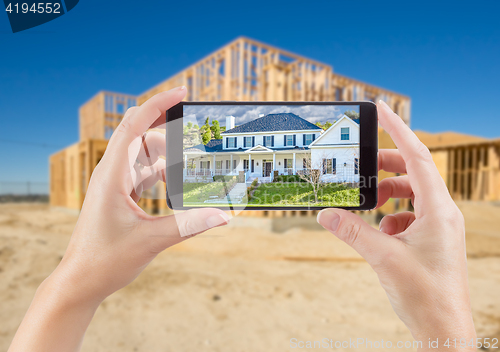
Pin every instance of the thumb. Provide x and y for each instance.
(350, 228)
(166, 231)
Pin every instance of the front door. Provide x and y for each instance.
(266, 168)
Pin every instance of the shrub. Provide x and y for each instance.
(288, 179)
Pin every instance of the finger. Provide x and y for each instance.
(130, 111)
(153, 146)
(394, 187)
(164, 232)
(396, 223)
(145, 116)
(127, 139)
(154, 109)
(390, 160)
(149, 176)
(350, 228)
(428, 186)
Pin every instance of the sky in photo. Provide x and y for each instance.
(197, 114)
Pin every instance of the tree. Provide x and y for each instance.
(191, 135)
(319, 124)
(327, 125)
(206, 132)
(215, 129)
(312, 174)
(352, 114)
(207, 136)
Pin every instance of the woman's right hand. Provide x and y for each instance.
(419, 257)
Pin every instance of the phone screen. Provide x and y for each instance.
(271, 155)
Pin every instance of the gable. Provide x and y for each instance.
(333, 134)
(259, 148)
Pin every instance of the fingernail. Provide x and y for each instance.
(329, 219)
(384, 105)
(217, 220)
(182, 88)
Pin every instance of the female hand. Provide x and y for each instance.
(114, 239)
(419, 257)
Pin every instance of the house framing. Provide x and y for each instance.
(248, 70)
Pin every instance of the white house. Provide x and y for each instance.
(285, 143)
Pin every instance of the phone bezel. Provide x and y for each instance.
(368, 162)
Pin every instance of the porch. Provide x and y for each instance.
(202, 168)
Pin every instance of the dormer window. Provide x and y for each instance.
(344, 134)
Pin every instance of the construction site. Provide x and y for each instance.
(268, 276)
(247, 70)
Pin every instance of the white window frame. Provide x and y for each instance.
(245, 142)
(233, 140)
(289, 142)
(270, 141)
(348, 134)
(311, 137)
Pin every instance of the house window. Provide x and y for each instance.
(245, 164)
(218, 164)
(308, 139)
(344, 133)
(356, 166)
(204, 164)
(268, 141)
(330, 166)
(247, 142)
(231, 142)
(234, 164)
(289, 140)
(228, 164)
(288, 163)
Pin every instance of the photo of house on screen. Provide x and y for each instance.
(278, 144)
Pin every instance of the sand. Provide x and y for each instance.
(237, 288)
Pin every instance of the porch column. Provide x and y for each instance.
(213, 167)
(274, 161)
(250, 162)
(185, 164)
(294, 163)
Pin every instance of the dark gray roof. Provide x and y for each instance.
(274, 122)
(212, 146)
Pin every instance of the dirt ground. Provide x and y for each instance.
(238, 288)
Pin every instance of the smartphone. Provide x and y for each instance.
(272, 155)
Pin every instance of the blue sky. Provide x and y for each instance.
(196, 114)
(443, 54)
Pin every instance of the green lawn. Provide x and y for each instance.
(198, 192)
(289, 194)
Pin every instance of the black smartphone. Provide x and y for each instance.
(272, 155)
